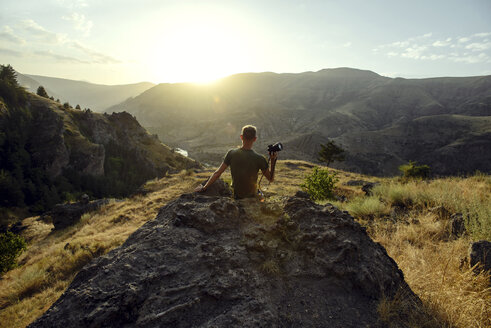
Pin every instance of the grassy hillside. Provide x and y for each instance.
(409, 219)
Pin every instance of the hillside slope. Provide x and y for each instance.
(50, 153)
(355, 108)
(97, 97)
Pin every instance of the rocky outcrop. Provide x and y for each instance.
(65, 215)
(211, 261)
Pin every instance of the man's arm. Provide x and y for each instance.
(213, 178)
(269, 174)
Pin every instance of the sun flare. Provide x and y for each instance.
(199, 52)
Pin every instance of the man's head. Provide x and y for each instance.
(248, 133)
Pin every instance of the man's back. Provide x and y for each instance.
(244, 166)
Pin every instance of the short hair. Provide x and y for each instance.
(249, 132)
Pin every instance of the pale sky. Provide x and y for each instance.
(119, 42)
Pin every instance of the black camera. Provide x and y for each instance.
(276, 147)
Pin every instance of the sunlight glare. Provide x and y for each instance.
(199, 51)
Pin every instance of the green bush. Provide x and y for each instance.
(411, 170)
(320, 184)
(11, 246)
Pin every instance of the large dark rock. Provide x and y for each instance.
(480, 253)
(217, 262)
(65, 215)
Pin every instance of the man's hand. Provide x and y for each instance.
(199, 188)
(273, 156)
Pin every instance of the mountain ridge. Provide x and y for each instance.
(95, 96)
(331, 104)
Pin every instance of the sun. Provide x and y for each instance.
(198, 51)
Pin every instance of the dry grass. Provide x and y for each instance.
(53, 258)
(432, 268)
(452, 296)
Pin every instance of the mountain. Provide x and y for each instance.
(381, 122)
(97, 97)
(51, 153)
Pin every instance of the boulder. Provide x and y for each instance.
(356, 183)
(367, 188)
(480, 253)
(210, 261)
(65, 215)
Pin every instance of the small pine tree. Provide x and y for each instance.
(11, 246)
(8, 74)
(66, 105)
(52, 98)
(42, 92)
(331, 152)
(77, 107)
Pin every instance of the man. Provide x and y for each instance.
(244, 165)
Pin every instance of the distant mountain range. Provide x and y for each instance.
(97, 97)
(381, 122)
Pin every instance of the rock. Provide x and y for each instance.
(302, 194)
(480, 253)
(356, 183)
(367, 188)
(218, 188)
(65, 215)
(210, 262)
(457, 224)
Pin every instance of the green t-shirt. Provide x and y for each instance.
(244, 166)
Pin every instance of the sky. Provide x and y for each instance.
(121, 41)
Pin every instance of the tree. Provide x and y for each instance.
(11, 246)
(331, 152)
(413, 171)
(77, 107)
(8, 74)
(66, 105)
(42, 92)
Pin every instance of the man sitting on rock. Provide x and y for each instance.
(244, 165)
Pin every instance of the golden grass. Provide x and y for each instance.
(432, 268)
(452, 296)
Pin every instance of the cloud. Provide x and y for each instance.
(7, 34)
(10, 52)
(478, 46)
(462, 49)
(59, 58)
(40, 32)
(80, 22)
(347, 45)
(96, 57)
(442, 43)
(472, 59)
(73, 3)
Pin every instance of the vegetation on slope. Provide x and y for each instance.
(417, 238)
(51, 154)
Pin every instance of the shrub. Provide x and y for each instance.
(411, 170)
(320, 184)
(11, 246)
(367, 206)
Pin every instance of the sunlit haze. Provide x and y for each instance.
(117, 42)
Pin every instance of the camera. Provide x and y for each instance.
(276, 147)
